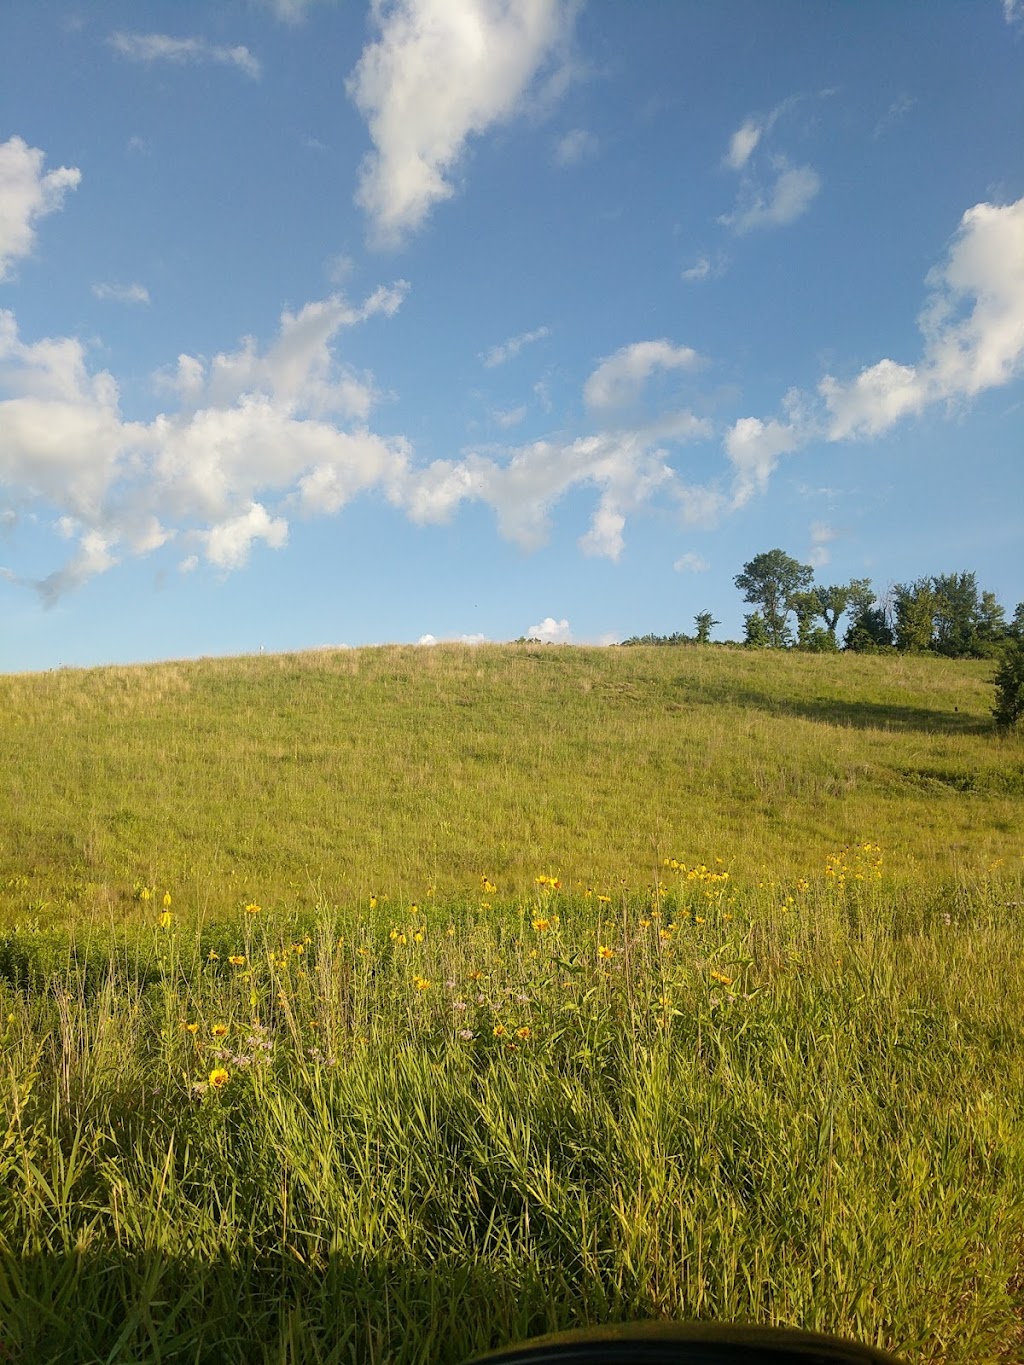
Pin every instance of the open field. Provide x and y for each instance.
(334, 775)
(390, 1005)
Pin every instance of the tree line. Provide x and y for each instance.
(946, 614)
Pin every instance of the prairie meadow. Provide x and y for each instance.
(395, 1004)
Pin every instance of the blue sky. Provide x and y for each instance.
(334, 323)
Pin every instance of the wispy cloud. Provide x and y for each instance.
(161, 47)
(619, 378)
(508, 350)
(786, 200)
(691, 562)
(822, 536)
(575, 146)
(706, 268)
(122, 293)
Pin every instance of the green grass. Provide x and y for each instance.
(463, 1115)
(338, 774)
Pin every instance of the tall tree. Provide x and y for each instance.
(914, 608)
(956, 614)
(705, 623)
(769, 581)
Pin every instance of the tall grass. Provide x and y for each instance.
(389, 1005)
(444, 1128)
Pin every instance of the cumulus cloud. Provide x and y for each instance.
(508, 350)
(228, 543)
(122, 293)
(161, 47)
(27, 193)
(550, 631)
(619, 378)
(972, 327)
(474, 639)
(787, 199)
(439, 72)
(691, 562)
(575, 146)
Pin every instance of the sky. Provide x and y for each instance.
(334, 323)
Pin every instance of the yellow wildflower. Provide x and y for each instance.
(524, 1032)
(499, 1030)
(218, 1078)
(252, 908)
(219, 1030)
(167, 899)
(604, 952)
(721, 978)
(165, 919)
(191, 1028)
(541, 924)
(237, 959)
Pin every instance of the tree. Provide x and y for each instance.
(834, 600)
(705, 623)
(806, 606)
(992, 625)
(1009, 681)
(769, 581)
(956, 614)
(1016, 627)
(755, 632)
(868, 632)
(914, 608)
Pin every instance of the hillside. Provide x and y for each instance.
(394, 769)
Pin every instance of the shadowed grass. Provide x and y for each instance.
(792, 1103)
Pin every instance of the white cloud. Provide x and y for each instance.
(439, 72)
(290, 11)
(691, 562)
(972, 327)
(1013, 11)
(508, 417)
(786, 201)
(508, 350)
(27, 194)
(742, 144)
(161, 47)
(753, 448)
(299, 370)
(122, 293)
(474, 639)
(822, 536)
(619, 378)
(575, 146)
(704, 268)
(228, 544)
(550, 631)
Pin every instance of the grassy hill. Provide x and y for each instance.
(394, 769)
(391, 1005)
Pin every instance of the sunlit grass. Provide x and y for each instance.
(336, 774)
